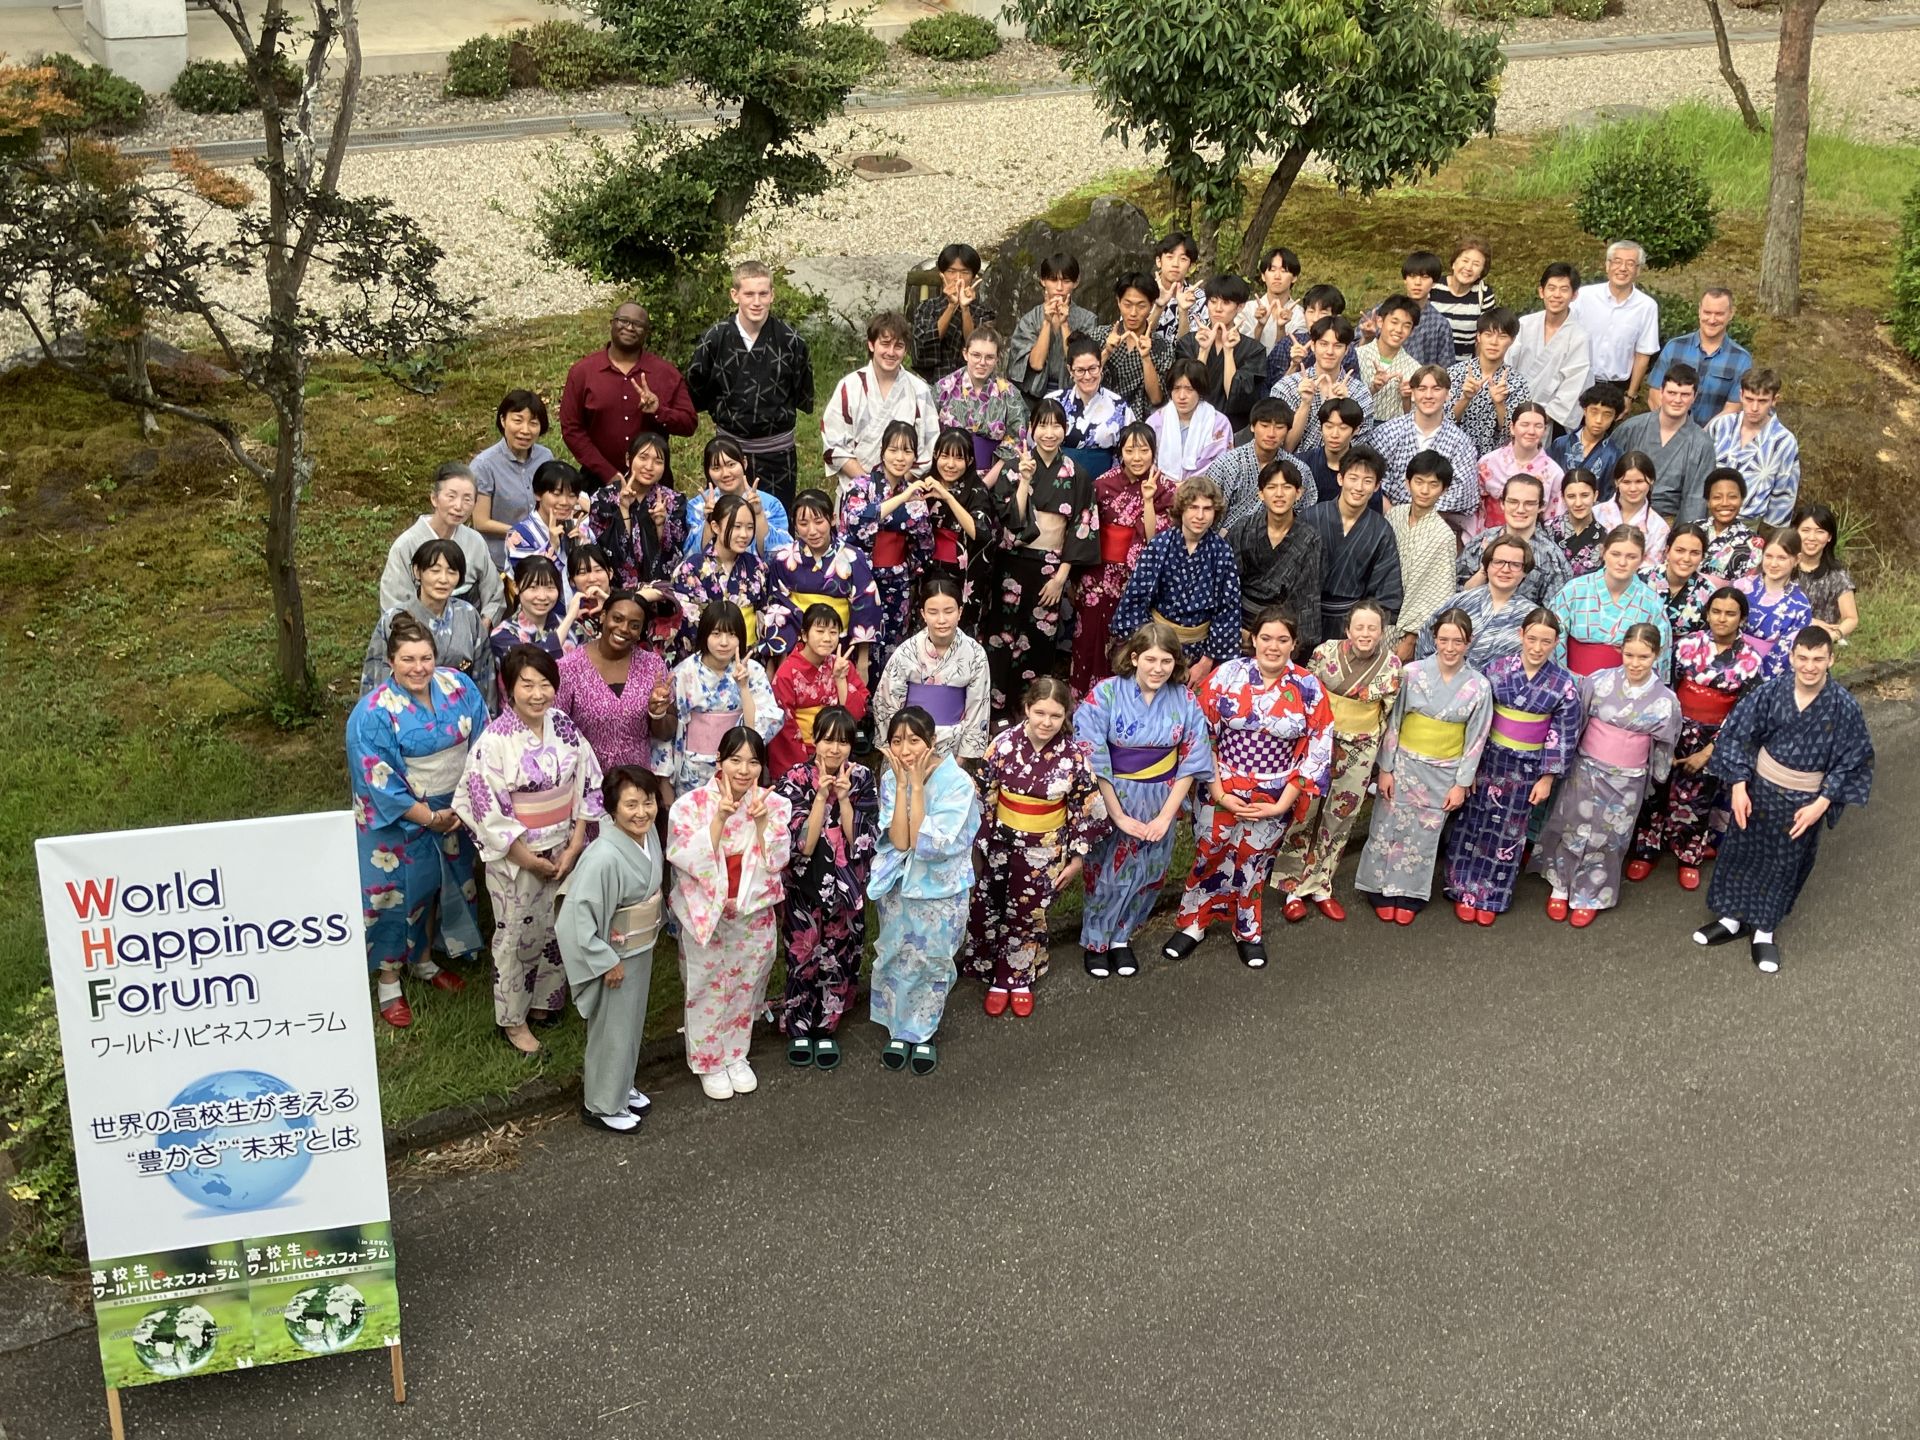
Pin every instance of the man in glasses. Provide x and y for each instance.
(614, 394)
(1520, 497)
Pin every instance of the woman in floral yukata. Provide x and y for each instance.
(1579, 534)
(407, 743)
(1777, 608)
(1536, 725)
(922, 876)
(639, 519)
(1135, 500)
(942, 670)
(1188, 577)
(1361, 676)
(1632, 505)
(715, 689)
(530, 784)
(1733, 547)
(1273, 752)
(1148, 744)
(966, 521)
(619, 694)
(1626, 745)
(1428, 762)
(811, 679)
(1042, 813)
(818, 569)
(1712, 669)
(834, 825)
(729, 571)
(885, 517)
(1524, 454)
(1051, 521)
(1680, 583)
(984, 403)
(728, 843)
(538, 620)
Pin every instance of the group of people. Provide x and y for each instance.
(1575, 640)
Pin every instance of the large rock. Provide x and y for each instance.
(1114, 239)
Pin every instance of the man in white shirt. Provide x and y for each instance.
(1622, 321)
(865, 402)
(452, 503)
(1552, 351)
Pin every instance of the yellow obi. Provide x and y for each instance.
(1353, 717)
(1520, 729)
(1189, 634)
(1033, 813)
(1433, 739)
(803, 603)
(1143, 761)
(753, 623)
(803, 719)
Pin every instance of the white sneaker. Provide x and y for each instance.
(745, 1082)
(717, 1085)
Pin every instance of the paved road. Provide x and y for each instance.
(1403, 1184)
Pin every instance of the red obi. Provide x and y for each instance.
(890, 549)
(1115, 542)
(946, 547)
(1590, 657)
(1702, 704)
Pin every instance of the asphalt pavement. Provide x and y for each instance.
(1427, 1182)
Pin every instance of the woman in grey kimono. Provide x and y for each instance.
(606, 930)
(1428, 762)
(1633, 720)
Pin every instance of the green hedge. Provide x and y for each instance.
(477, 68)
(1905, 319)
(223, 87)
(108, 104)
(1640, 187)
(953, 36)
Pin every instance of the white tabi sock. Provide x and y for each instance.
(1760, 937)
(388, 991)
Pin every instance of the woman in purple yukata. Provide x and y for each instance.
(1536, 725)
(835, 828)
(1148, 744)
(1777, 608)
(1189, 578)
(639, 519)
(978, 399)
(407, 743)
(1041, 812)
(818, 569)
(731, 570)
(1626, 744)
(1712, 669)
(886, 518)
(1273, 752)
(1050, 526)
(530, 784)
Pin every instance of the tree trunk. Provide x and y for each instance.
(1787, 183)
(293, 673)
(141, 382)
(1279, 185)
(1748, 115)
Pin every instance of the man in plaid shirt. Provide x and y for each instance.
(1715, 356)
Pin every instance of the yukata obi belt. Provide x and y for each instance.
(1611, 745)
(1351, 716)
(1433, 739)
(1143, 762)
(1703, 704)
(1189, 634)
(947, 704)
(1115, 542)
(804, 601)
(543, 809)
(1590, 657)
(1034, 814)
(705, 729)
(1806, 782)
(889, 549)
(1520, 729)
(946, 546)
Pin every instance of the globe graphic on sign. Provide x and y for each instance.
(325, 1318)
(237, 1183)
(176, 1340)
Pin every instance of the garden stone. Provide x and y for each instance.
(1114, 239)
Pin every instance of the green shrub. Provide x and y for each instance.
(952, 36)
(223, 87)
(1639, 186)
(1905, 319)
(109, 104)
(1681, 313)
(44, 1193)
(477, 68)
(569, 56)
(1503, 9)
(1588, 10)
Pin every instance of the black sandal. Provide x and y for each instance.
(1253, 953)
(1096, 963)
(894, 1057)
(925, 1058)
(1180, 945)
(826, 1054)
(1766, 957)
(1123, 962)
(800, 1052)
(1717, 934)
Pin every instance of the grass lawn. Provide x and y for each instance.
(132, 597)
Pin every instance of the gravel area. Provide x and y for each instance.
(1654, 17)
(983, 173)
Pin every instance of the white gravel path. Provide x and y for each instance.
(992, 163)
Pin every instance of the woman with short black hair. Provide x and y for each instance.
(460, 636)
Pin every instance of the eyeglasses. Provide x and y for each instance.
(1506, 564)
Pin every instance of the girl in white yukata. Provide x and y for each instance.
(728, 843)
(715, 689)
(529, 783)
(606, 928)
(922, 882)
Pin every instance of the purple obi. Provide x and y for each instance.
(947, 704)
(983, 456)
(1143, 762)
(1764, 646)
(1252, 752)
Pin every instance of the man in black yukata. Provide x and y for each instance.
(1360, 557)
(1235, 362)
(1794, 753)
(753, 375)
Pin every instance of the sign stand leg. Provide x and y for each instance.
(114, 1422)
(399, 1384)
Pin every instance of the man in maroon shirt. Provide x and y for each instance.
(614, 394)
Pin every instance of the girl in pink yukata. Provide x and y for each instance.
(728, 843)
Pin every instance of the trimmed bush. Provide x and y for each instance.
(1499, 10)
(109, 104)
(1640, 187)
(477, 68)
(223, 87)
(952, 36)
(569, 56)
(1905, 319)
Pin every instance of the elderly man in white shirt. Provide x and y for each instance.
(1622, 321)
(1552, 351)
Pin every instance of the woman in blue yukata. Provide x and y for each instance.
(407, 743)
(922, 882)
(714, 689)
